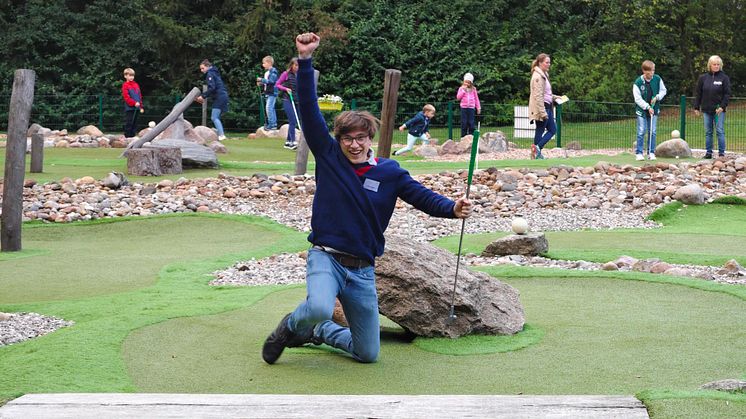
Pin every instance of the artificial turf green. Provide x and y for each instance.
(86, 357)
(603, 336)
(118, 256)
(693, 404)
(704, 235)
(481, 344)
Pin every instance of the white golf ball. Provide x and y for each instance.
(677, 157)
(151, 124)
(675, 134)
(519, 225)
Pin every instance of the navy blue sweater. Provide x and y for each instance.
(351, 212)
(418, 125)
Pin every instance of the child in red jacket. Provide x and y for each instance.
(132, 102)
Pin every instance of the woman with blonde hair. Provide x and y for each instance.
(712, 95)
(540, 104)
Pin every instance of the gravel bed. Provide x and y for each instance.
(17, 327)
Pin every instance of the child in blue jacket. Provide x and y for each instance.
(418, 128)
(269, 90)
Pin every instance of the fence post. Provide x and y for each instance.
(353, 104)
(559, 125)
(450, 120)
(682, 117)
(19, 114)
(101, 112)
(391, 81)
(37, 153)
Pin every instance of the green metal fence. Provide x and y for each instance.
(594, 125)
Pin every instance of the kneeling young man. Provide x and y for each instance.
(354, 200)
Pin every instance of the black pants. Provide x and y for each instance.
(130, 123)
(467, 121)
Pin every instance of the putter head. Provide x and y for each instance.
(451, 317)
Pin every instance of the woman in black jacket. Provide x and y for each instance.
(713, 92)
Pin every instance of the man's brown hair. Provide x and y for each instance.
(350, 121)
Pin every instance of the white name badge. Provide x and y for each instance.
(717, 83)
(371, 185)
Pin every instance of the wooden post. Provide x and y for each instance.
(37, 153)
(301, 153)
(175, 113)
(204, 107)
(21, 100)
(388, 111)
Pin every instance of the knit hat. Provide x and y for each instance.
(469, 77)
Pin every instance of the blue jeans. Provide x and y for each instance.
(215, 117)
(410, 143)
(271, 115)
(327, 280)
(719, 129)
(292, 122)
(642, 130)
(541, 138)
(468, 115)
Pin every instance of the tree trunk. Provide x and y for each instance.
(21, 100)
(154, 161)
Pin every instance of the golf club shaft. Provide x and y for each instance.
(295, 112)
(461, 236)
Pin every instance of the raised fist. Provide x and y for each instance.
(306, 44)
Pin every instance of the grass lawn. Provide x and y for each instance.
(160, 328)
(247, 157)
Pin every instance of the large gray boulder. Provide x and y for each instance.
(691, 194)
(493, 142)
(673, 148)
(208, 134)
(90, 130)
(415, 282)
(193, 155)
(531, 244)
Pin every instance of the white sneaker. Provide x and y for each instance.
(651, 156)
(639, 157)
(221, 138)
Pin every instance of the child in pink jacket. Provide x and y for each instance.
(469, 98)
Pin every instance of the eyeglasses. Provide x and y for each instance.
(360, 139)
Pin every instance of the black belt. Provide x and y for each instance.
(348, 261)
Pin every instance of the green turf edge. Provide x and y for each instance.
(729, 200)
(24, 253)
(190, 277)
(481, 344)
(661, 394)
(664, 212)
(534, 272)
